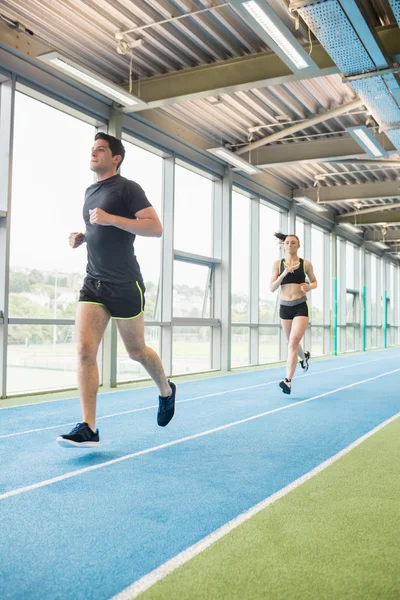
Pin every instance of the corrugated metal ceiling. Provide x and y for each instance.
(85, 30)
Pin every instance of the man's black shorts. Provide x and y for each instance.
(290, 312)
(122, 300)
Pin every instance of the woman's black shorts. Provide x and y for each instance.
(122, 300)
(290, 312)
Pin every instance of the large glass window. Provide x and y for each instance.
(193, 212)
(317, 259)
(146, 169)
(191, 349)
(240, 346)
(41, 357)
(372, 303)
(350, 266)
(269, 253)
(192, 297)
(300, 232)
(128, 369)
(50, 175)
(240, 258)
(269, 344)
(374, 292)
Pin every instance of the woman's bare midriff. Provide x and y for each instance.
(291, 291)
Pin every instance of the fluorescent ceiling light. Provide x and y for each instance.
(351, 227)
(364, 137)
(382, 245)
(311, 204)
(285, 44)
(235, 160)
(92, 80)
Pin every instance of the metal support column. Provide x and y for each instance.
(225, 269)
(110, 340)
(292, 219)
(7, 106)
(385, 280)
(334, 251)
(167, 263)
(283, 350)
(325, 278)
(363, 308)
(307, 340)
(342, 304)
(254, 279)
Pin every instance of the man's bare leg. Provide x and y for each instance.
(91, 323)
(132, 333)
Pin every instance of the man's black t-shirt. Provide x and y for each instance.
(111, 257)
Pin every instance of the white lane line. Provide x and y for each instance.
(143, 584)
(47, 482)
(119, 391)
(153, 406)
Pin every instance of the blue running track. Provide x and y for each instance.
(82, 525)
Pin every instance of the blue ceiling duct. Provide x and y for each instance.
(344, 33)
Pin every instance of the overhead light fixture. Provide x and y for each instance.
(92, 80)
(310, 204)
(351, 227)
(381, 245)
(235, 160)
(266, 23)
(366, 140)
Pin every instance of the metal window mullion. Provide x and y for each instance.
(308, 256)
(283, 226)
(254, 279)
(342, 295)
(207, 292)
(334, 290)
(383, 289)
(225, 308)
(292, 218)
(356, 301)
(7, 111)
(327, 296)
(167, 262)
(368, 296)
(110, 339)
(379, 302)
(216, 283)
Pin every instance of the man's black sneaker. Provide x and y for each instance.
(166, 407)
(80, 437)
(304, 363)
(286, 386)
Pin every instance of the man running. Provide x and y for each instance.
(115, 211)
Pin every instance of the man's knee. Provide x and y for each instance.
(87, 352)
(137, 353)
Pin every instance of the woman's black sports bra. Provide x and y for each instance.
(298, 275)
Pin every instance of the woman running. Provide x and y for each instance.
(290, 273)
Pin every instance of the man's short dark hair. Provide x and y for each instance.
(116, 146)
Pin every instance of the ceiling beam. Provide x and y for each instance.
(327, 150)
(302, 125)
(370, 209)
(239, 74)
(350, 193)
(259, 70)
(392, 235)
(382, 216)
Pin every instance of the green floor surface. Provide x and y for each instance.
(336, 537)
